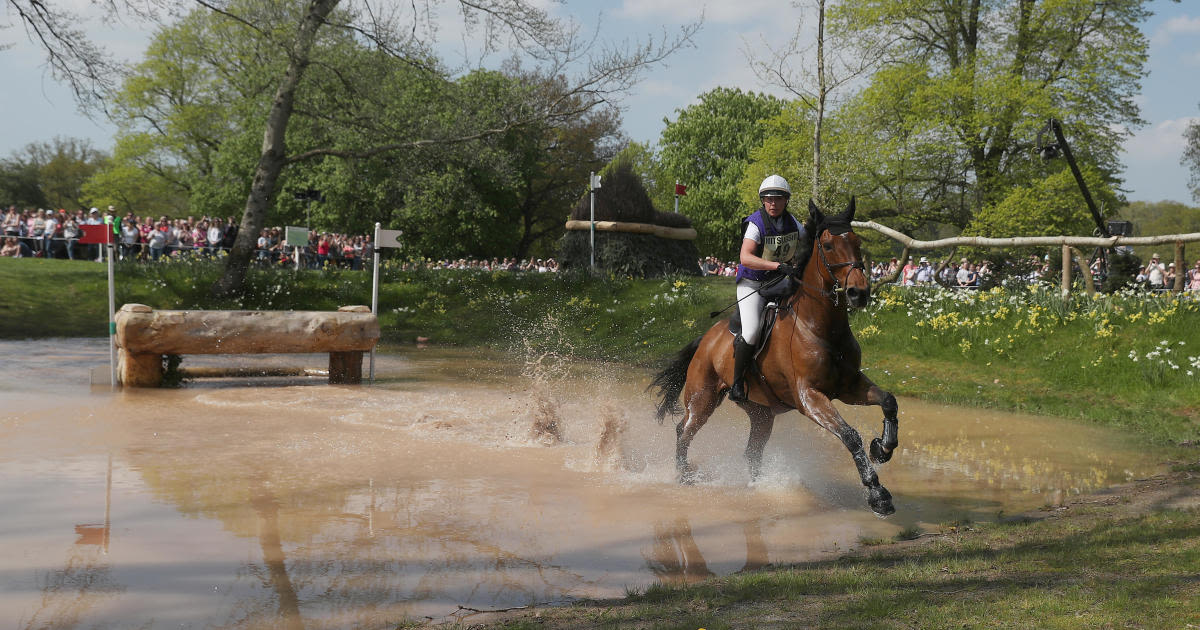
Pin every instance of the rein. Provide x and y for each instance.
(765, 285)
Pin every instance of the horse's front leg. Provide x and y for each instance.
(817, 406)
(868, 393)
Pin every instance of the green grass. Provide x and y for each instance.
(1127, 360)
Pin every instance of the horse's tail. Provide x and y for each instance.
(671, 379)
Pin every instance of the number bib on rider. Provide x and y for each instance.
(781, 248)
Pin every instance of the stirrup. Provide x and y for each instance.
(737, 392)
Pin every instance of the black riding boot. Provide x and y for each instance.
(743, 355)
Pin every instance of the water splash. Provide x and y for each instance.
(610, 454)
(547, 426)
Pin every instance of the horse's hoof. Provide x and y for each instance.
(878, 455)
(880, 501)
(687, 475)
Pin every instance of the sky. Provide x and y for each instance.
(37, 108)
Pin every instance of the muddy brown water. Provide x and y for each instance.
(456, 481)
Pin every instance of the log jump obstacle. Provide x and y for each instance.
(144, 336)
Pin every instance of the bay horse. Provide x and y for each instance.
(811, 358)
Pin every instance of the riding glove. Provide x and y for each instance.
(785, 269)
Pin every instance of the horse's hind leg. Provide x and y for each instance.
(699, 405)
(868, 393)
(816, 406)
(762, 421)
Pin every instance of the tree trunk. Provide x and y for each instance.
(274, 152)
(821, 94)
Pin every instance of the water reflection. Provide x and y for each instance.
(457, 481)
(674, 557)
(267, 509)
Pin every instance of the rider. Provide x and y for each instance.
(771, 242)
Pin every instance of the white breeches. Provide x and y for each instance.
(750, 305)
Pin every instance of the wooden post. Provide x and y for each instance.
(1086, 271)
(139, 370)
(345, 368)
(1181, 268)
(1066, 270)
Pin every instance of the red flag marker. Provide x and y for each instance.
(94, 234)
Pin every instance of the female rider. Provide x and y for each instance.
(772, 242)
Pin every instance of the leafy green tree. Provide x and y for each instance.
(815, 73)
(982, 77)
(123, 183)
(50, 174)
(20, 183)
(1051, 206)
(708, 148)
(1191, 157)
(193, 120)
(528, 29)
(292, 36)
(646, 165)
(1161, 217)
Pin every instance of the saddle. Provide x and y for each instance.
(775, 296)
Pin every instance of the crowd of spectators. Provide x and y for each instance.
(711, 266)
(964, 274)
(961, 274)
(56, 234)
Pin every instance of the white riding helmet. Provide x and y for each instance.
(774, 186)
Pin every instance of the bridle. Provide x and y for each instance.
(852, 264)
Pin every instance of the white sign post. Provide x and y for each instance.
(112, 306)
(383, 238)
(593, 184)
(296, 237)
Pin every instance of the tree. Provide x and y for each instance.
(646, 165)
(546, 166)
(593, 77)
(121, 182)
(1050, 206)
(707, 148)
(1191, 157)
(989, 74)
(836, 61)
(70, 54)
(51, 174)
(529, 30)
(20, 183)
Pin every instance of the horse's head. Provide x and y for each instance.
(838, 251)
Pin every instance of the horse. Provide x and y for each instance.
(810, 359)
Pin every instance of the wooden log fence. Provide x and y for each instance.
(145, 335)
(661, 231)
(1065, 242)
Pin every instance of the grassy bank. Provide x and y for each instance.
(1130, 361)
